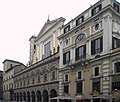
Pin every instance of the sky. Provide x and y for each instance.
(21, 19)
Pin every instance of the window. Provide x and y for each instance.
(96, 9)
(66, 57)
(117, 67)
(66, 29)
(96, 71)
(34, 48)
(38, 79)
(24, 83)
(66, 78)
(79, 75)
(79, 20)
(115, 42)
(96, 86)
(116, 7)
(80, 52)
(66, 88)
(33, 80)
(45, 77)
(28, 81)
(79, 88)
(116, 85)
(96, 26)
(53, 75)
(47, 50)
(97, 46)
(80, 37)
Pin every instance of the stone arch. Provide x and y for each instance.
(28, 96)
(33, 96)
(24, 96)
(53, 93)
(39, 97)
(45, 96)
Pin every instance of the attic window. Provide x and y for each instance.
(66, 29)
(116, 7)
(79, 20)
(96, 9)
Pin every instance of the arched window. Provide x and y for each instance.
(80, 37)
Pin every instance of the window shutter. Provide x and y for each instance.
(101, 44)
(100, 7)
(64, 58)
(76, 54)
(69, 56)
(92, 47)
(84, 51)
(92, 12)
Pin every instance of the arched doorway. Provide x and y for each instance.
(53, 93)
(17, 96)
(20, 96)
(28, 96)
(39, 99)
(24, 96)
(33, 96)
(45, 96)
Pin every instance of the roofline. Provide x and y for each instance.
(32, 37)
(59, 20)
(82, 13)
(12, 61)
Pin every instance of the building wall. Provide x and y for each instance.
(105, 19)
(1, 85)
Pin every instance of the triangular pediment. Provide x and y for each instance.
(48, 25)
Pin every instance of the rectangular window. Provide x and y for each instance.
(66, 29)
(79, 20)
(79, 88)
(79, 75)
(96, 86)
(28, 81)
(81, 52)
(66, 57)
(33, 80)
(97, 46)
(115, 85)
(115, 42)
(96, 71)
(116, 7)
(53, 75)
(117, 67)
(66, 78)
(45, 77)
(47, 50)
(66, 88)
(96, 9)
(38, 79)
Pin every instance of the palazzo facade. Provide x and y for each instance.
(90, 54)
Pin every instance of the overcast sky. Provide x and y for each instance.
(20, 19)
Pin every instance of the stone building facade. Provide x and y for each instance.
(90, 54)
(1, 85)
(39, 81)
(8, 82)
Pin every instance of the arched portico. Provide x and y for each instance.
(33, 96)
(39, 98)
(45, 96)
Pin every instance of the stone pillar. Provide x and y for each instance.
(106, 78)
